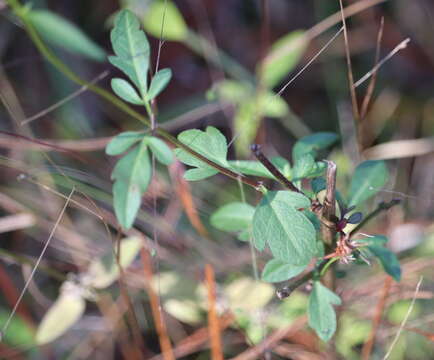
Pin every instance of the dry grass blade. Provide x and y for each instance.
(410, 309)
(213, 320)
(369, 344)
(183, 190)
(355, 106)
(370, 90)
(400, 149)
(157, 314)
(16, 222)
(402, 45)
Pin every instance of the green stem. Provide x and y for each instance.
(21, 12)
(327, 265)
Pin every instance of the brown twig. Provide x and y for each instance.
(195, 341)
(256, 150)
(182, 188)
(371, 86)
(213, 320)
(160, 325)
(369, 344)
(355, 106)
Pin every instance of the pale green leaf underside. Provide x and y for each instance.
(64, 313)
(103, 272)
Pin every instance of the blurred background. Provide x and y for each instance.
(215, 50)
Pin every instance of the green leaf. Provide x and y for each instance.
(273, 105)
(60, 32)
(255, 168)
(284, 56)
(20, 334)
(231, 91)
(132, 175)
(388, 260)
(159, 83)
(64, 313)
(210, 143)
(102, 272)
(313, 143)
(373, 240)
(368, 178)
(125, 91)
(277, 271)
(159, 148)
(304, 166)
(131, 48)
(174, 28)
(288, 232)
(318, 184)
(235, 216)
(199, 174)
(246, 123)
(123, 142)
(321, 314)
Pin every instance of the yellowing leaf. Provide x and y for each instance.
(284, 56)
(103, 272)
(64, 313)
(248, 294)
(174, 28)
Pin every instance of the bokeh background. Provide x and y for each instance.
(398, 127)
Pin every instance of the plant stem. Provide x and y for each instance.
(328, 213)
(20, 11)
(256, 149)
(383, 206)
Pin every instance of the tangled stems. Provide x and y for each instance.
(21, 12)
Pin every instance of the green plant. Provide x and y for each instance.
(302, 226)
(292, 223)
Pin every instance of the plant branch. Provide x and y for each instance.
(256, 149)
(383, 206)
(21, 12)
